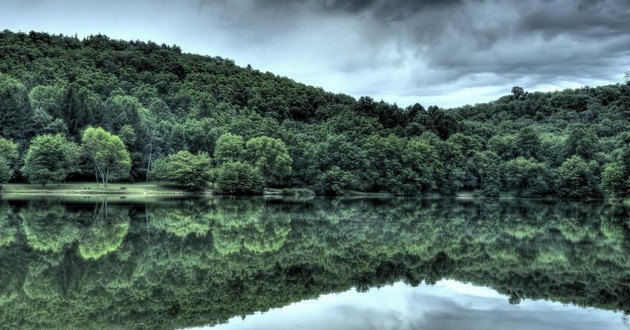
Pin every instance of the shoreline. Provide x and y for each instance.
(84, 189)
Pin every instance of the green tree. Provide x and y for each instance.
(186, 169)
(614, 181)
(271, 157)
(8, 159)
(229, 147)
(15, 110)
(239, 178)
(491, 186)
(50, 158)
(45, 102)
(526, 177)
(575, 178)
(528, 143)
(581, 142)
(108, 154)
(78, 105)
(335, 181)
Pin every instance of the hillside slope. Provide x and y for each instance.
(160, 101)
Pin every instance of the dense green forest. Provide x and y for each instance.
(132, 111)
(193, 262)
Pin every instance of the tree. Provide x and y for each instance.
(5, 171)
(614, 183)
(15, 110)
(491, 186)
(50, 158)
(271, 157)
(239, 178)
(335, 181)
(528, 143)
(581, 142)
(186, 169)
(8, 159)
(575, 178)
(229, 147)
(526, 177)
(77, 107)
(108, 154)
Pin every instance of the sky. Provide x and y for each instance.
(433, 52)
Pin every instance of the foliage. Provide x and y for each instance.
(271, 157)
(8, 159)
(239, 178)
(615, 181)
(50, 158)
(108, 154)
(230, 147)
(526, 177)
(186, 169)
(187, 263)
(576, 178)
(160, 101)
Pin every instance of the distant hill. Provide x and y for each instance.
(160, 101)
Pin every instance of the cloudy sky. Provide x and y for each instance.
(443, 52)
(446, 305)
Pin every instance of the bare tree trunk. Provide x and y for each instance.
(96, 172)
(149, 162)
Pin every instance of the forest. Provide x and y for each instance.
(183, 263)
(109, 110)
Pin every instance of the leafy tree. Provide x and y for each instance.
(581, 142)
(15, 110)
(528, 143)
(336, 181)
(5, 171)
(8, 159)
(526, 177)
(615, 181)
(271, 157)
(107, 153)
(50, 158)
(45, 101)
(229, 147)
(239, 178)
(575, 178)
(186, 169)
(78, 105)
(491, 186)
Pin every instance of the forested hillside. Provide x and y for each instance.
(195, 119)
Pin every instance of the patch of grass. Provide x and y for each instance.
(297, 192)
(90, 188)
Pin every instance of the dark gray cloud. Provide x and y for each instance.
(447, 52)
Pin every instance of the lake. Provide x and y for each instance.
(255, 263)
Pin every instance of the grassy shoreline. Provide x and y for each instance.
(90, 188)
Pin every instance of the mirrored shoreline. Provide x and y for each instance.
(183, 263)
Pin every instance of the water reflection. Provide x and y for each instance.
(445, 305)
(182, 263)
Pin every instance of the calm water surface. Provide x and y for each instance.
(251, 263)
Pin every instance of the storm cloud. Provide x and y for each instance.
(447, 53)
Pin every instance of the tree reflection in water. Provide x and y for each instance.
(192, 262)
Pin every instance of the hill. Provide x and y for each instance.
(160, 101)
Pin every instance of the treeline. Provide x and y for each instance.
(171, 110)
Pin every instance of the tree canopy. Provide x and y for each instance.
(159, 101)
(107, 153)
(50, 158)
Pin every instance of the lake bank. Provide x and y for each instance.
(85, 188)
